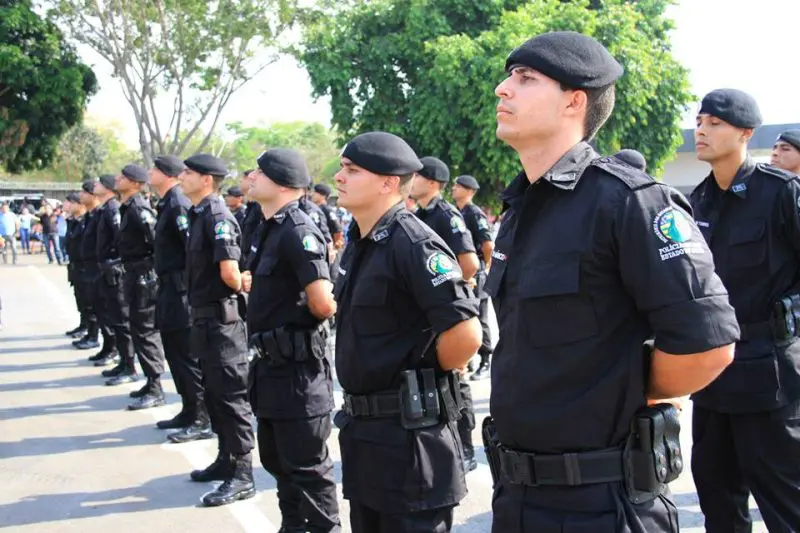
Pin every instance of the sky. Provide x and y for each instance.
(743, 44)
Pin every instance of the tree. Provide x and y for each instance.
(43, 87)
(448, 109)
(194, 53)
(313, 140)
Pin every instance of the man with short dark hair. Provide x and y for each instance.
(234, 199)
(320, 196)
(786, 152)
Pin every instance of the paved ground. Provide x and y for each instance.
(73, 459)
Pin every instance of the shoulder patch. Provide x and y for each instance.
(413, 227)
(775, 172)
(182, 222)
(632, 177)
(483, 223)
(223, 230)
(310, 243)
(457, 224)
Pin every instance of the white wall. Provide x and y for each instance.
(687, 171)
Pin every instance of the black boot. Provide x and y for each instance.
(118, 370)
(128, 376)
(483, 372)
(153, 396)
(470, 463)
(108, 359)
(140, 392)
(181, 420)
(220, 470)
(198, 430)
(81, 329)
(239, 486)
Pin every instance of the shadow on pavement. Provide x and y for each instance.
(33, 338)
(78, 381)
(116, 401)
(161, 493)
(40, 366)
(40, 349)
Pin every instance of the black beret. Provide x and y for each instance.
(73, 197)
(790, 136)
(135, 173)
(88, 186)
(322, 189)
(169, 165)
(632, 158)
(468, 181)
(735, 107)
(207, 164)
(576, 60)
(434, 169)
(235, 191)
(382, 153)
(109, 181)
(285, 167)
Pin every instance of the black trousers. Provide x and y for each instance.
(466, 423)
(485, 351)
(296, 454)
(600, 508)
(366, 520)
(145, 340)
(116, 314)
(222, 352)
(184, 367)
(734, 455)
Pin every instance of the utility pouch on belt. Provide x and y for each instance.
(652, 456)
(228, 310)
(147, 292)
(491, 446)
(787, 317)
(419, 399)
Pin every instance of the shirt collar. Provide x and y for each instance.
(382, 228)
(432, 204)
(205, 202)
(280, 214)
(738, 184)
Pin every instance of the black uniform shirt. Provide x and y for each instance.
(478, 227)
(240, 214)
(334, 226)
(172, 229)
(75, 230)
(89, 240)
(252, 218)
(317, 216)
(591, 260)
(137, 229)
(753, 230)
(108, 220)
(214, 236)
(446, 221)
(289, 254)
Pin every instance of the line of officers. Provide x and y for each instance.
(237, 298)
(592, 259)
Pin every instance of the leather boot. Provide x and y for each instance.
(220, 470)
(484, 371)
(152, 397)
(199, 429)
(181, 420)
(239, 486)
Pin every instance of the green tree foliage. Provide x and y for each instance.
(408, 68)
(43, 87)
(179, 62)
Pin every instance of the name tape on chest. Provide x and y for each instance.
(673, 228)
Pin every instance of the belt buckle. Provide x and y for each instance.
(522, 466)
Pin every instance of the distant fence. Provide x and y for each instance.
(53, 189)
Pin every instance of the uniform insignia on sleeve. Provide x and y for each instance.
(147, 218)
(457, 223)
(674, 229)
(222, 230)
(441, 267)
(117, 219)
(315, 217)
(182, 222)
(310, 243)
(483, 223)
(798, 201)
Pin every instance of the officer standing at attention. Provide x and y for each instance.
(317, 216)
(478, 226)
(252, 216)
(115, 308)
(448, 223)
(320, 196)
(76, 269)
(786, 152)
(218, 336)
(633, 158)
(592, 258)
(136, 242)
(744, 434)
(292, 387)
(172, 306)
(234, 199)
(406, 319)
(92, 281)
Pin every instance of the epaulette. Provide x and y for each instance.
(412, 226)
(296, 214)
(632, 177)
(776, 172)
(215, 205)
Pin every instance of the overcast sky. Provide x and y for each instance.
(747, 45)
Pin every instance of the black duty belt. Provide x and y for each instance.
(139, 265)
(570, 469)
(378, 405)
(214, 309)
(756, 330)
(205, 311)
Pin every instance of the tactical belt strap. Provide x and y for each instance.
(378, 405)
(207, 311)
(570, 469)
(756, 330)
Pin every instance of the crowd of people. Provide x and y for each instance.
(614, 296)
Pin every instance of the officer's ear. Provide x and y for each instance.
(747, 134)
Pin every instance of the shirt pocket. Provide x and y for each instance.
(748, 245)
(372, 314)
(553, 310)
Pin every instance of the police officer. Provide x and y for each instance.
(317, 216)
(786, 152)
(75, 269)
(320, 196)
(218, 333)
(172, 306)
(90, 280)
(633, 158)
(477, 224)
(448, 223)
(292, 390)
(116, 309)
(136, 241)
(745, 437)
(234, 199)
(592, 257)
(406, 319)
(252, 217)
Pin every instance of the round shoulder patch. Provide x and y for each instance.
(438, 263)
(310, 244)
(671, 225)
(483, 223)
(457, 223)
(182, 222)
(222, 230)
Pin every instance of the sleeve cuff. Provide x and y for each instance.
(695, 326)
